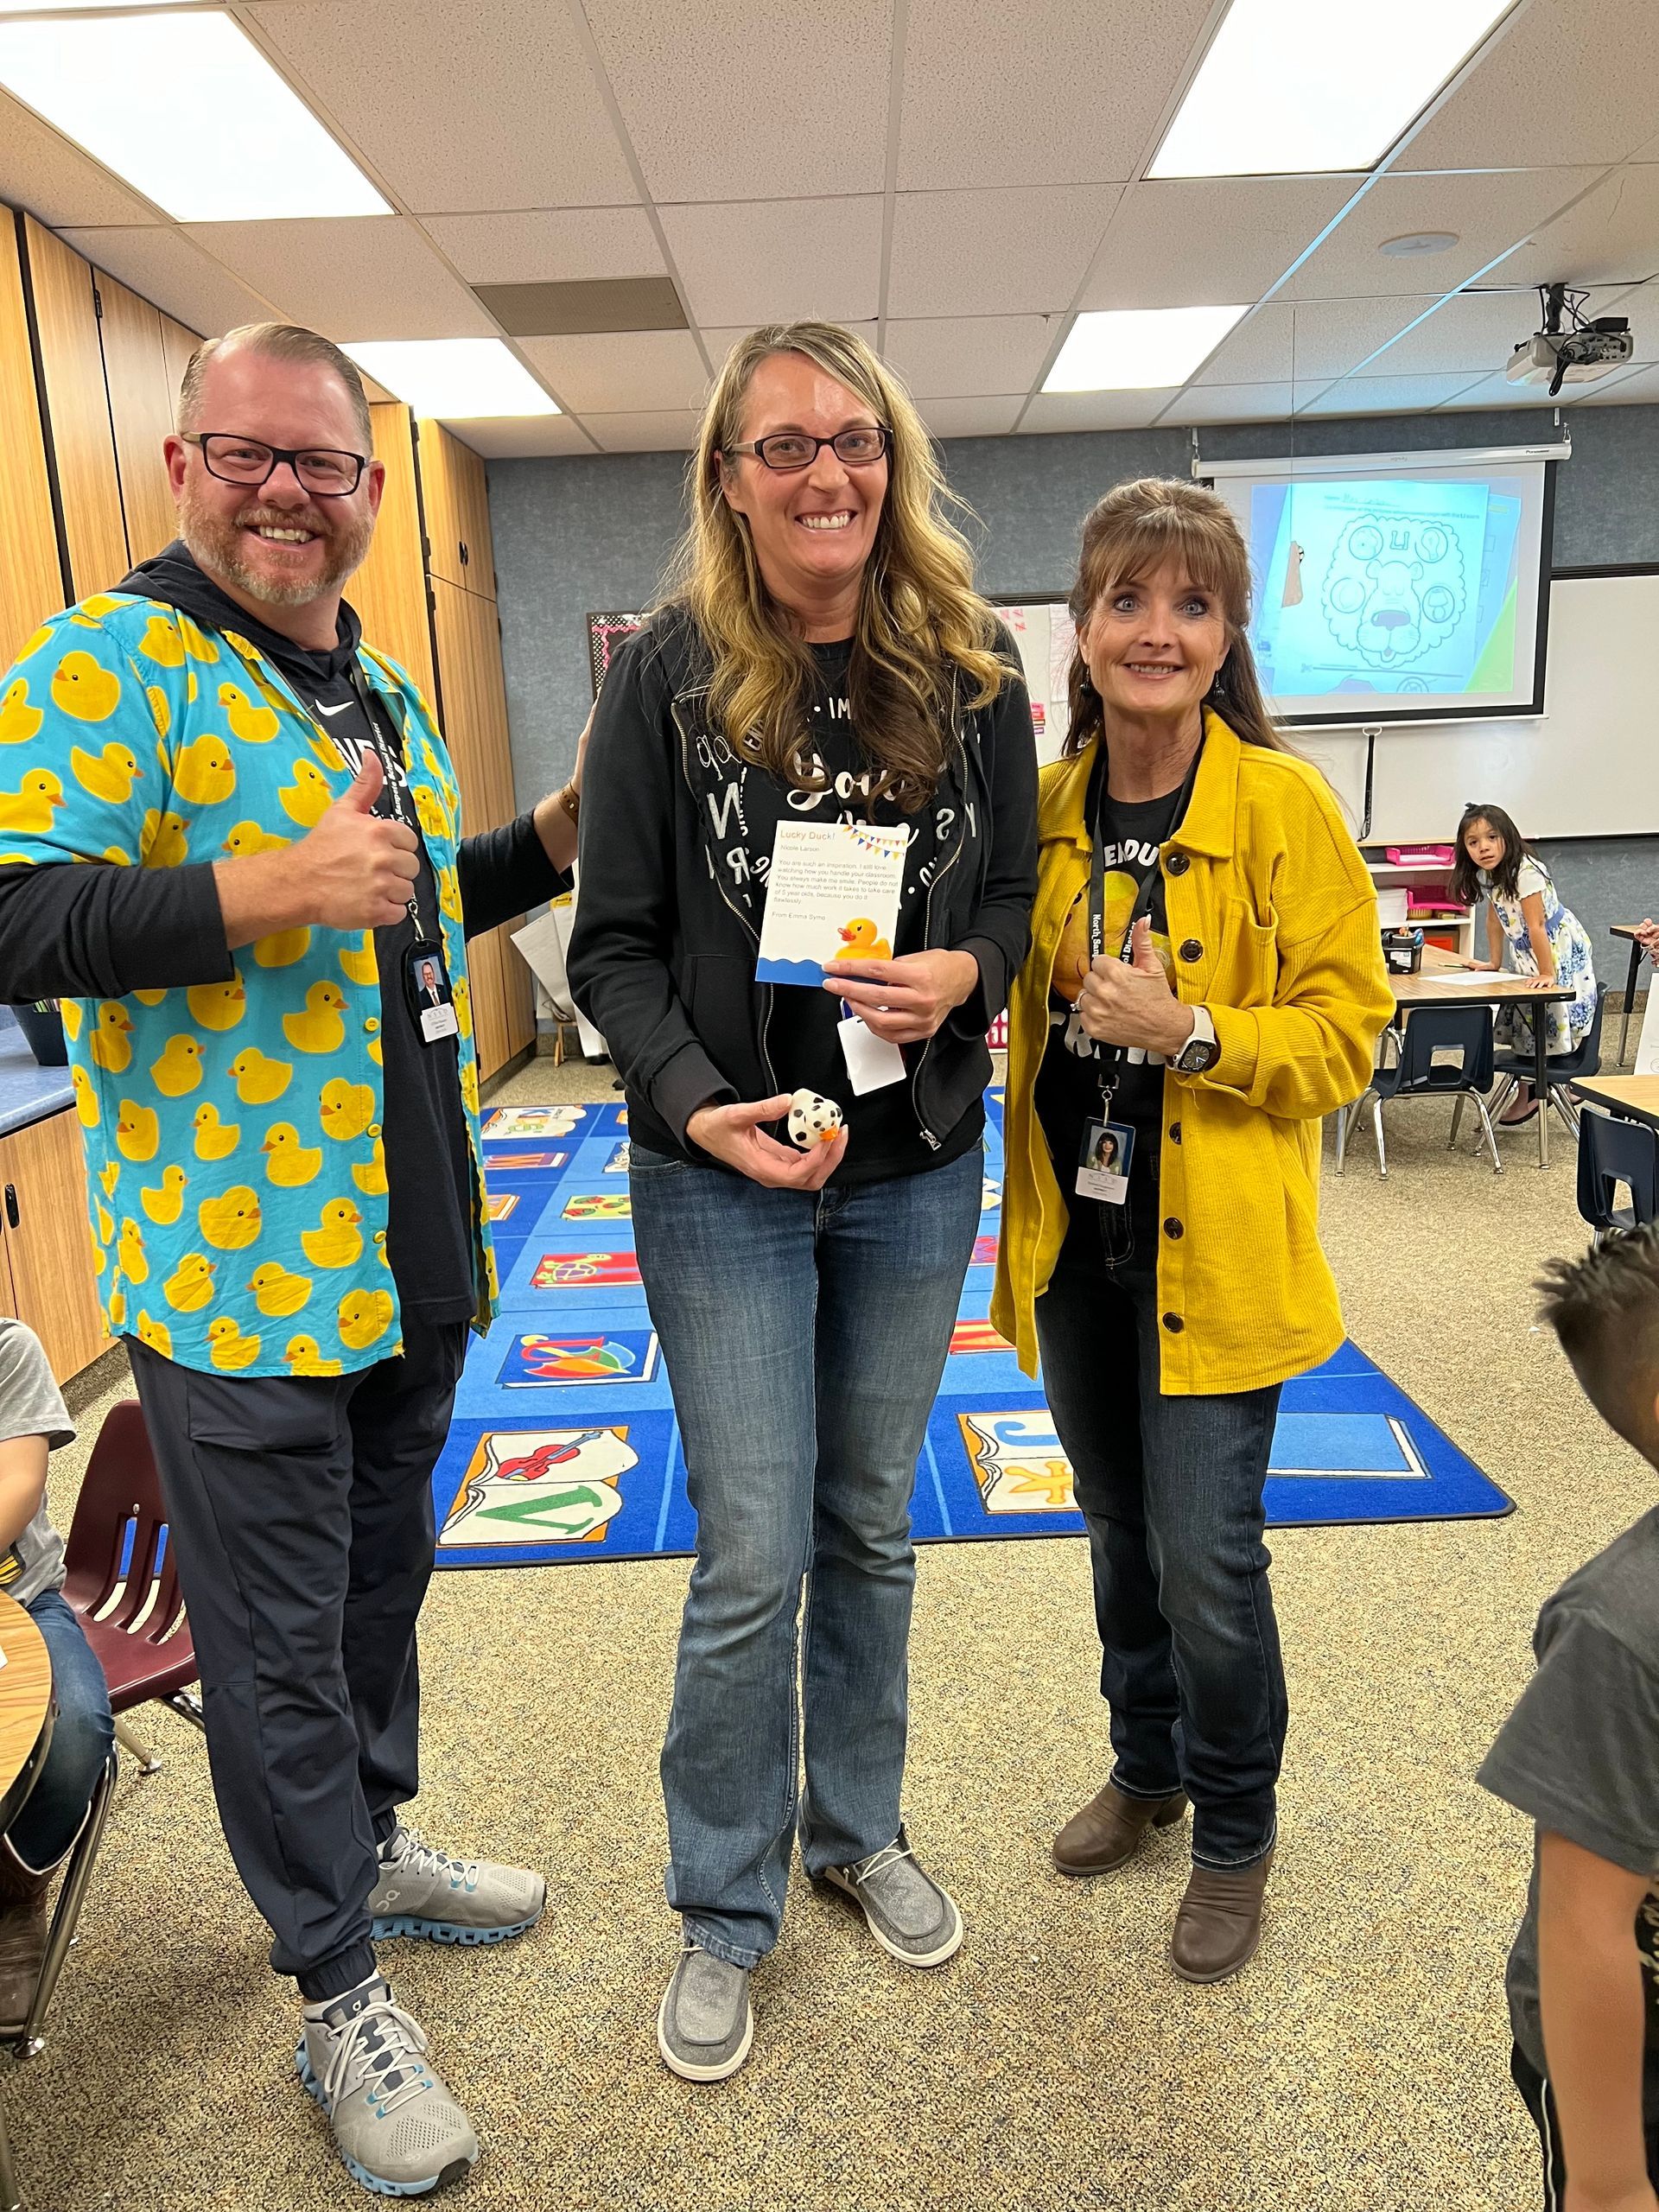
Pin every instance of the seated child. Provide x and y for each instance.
(34, 1421)
(1579, 1755)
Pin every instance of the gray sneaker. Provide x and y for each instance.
(910, 1915)
(423, 1892)
(396, 2128)
(705, 2023)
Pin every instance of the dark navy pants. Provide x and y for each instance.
(301, 1509)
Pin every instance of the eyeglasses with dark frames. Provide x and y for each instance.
(324, 472)
(789, 451)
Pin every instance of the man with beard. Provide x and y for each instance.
(264, 825)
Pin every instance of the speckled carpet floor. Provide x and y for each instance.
(1358, 2063)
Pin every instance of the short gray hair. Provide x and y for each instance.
(277, 341)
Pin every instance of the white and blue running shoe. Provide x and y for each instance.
(423, 1892)
(396, 2128)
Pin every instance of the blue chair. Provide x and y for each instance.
(1462, 1036)
(1612, 1151)
(1560, 1071)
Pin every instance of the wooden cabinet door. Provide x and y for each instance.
(31, 576)
(457, 502)
(78, 411)
(141, 410)
(389, 590)
(49, 1242)
(178, 343)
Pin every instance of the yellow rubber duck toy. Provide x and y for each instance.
(215, 1140)
(277, 1293)
(19, 722)
(138, 1130)
(288, 1162)
(161, 840)
(307, 798)
(218, 1006)
(365, 1316)
(258, 1078)
(161, 642)
(129, 1253)
(345, 1109)
(304, 1357)
(231, 1221)
(253, 725)
(861, 941)
(179, 1068)
(28, 808)
(228, 1349)
(361, 967)
(337, 1241)
(80, 688)
(164, 1202)
(204, 774)
(190, 1286)
(370, 1175)
(85, 1098)
(109, 775)
(247, 838)
(155, 1334)
(282, 948)
(319, 1028)
(111, 1046)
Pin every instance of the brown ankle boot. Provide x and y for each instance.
(22, 1934)
(1110, 1829)
(1219, 1923)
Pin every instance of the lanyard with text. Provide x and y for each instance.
(1109, 1056)
(425, 977)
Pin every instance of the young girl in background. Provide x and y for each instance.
(1545, 938)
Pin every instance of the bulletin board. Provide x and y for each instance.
(1043, 631)
(605, 633)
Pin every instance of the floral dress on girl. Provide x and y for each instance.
(1569, 1023)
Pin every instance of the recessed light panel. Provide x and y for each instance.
(1290, 86)
(1137, 349)
(456, 379)
(188, 111)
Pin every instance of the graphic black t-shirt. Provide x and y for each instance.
(801, 1040)
(1068, 1083)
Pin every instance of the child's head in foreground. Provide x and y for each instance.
(1604, 1308)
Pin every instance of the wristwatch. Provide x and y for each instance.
(571, 799)
(1200, 1050)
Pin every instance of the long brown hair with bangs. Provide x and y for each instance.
(1138, 528)
(923, 634)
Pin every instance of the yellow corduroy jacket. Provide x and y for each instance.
(1272, 920)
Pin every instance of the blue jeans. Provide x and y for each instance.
(1171, 1489)
(81, 1738)
(805, 1334)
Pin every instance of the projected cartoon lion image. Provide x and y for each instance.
(1395, 588)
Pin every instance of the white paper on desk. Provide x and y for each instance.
(832, 893)
(1447, 975)
(1647, 1044)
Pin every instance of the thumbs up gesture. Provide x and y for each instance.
(356, 869)
(1129, 1001)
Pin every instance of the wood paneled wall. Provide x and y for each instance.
(78, 411)
(141, 412)
(389, 590)
(31, 576)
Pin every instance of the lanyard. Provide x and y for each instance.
(1109, 1056)
(394, 789)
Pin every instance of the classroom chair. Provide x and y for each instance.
(1612, 1151)
(1560, 1071)
(1461, 1037)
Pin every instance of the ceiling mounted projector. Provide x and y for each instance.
(1569, 350)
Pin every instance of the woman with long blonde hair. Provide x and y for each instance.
(821, 657)
(1206, 982)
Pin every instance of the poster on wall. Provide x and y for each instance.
(1043, 633)
(605, 633)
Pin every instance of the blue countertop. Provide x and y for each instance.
(28, 1092)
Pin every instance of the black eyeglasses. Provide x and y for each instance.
(786, 451)
(320, 469)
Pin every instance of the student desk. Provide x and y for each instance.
(1443, 981)
(1635, 1096)
(26, 1712)
(1628, 930)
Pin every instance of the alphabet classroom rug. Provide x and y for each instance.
(564, 1447)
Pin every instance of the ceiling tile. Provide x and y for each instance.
(1258, 351)
(960, 356)
(550, 244)
(1385, 395)
(621, 371)
(1572, 81)
(1236, 403)
(1489, 211)
(512, 438)
(1475, 333)
(1311, 343)
(1611, 238)
(1208, 242)
(362, 276)
(718, 343)
(1053, 92)
(770, 260)
(161, 264)
(1095, 410)
(1004, 252)
(457, 107)
(1498, 392)
(972, 418)
(55, 181)
(672, 432)
(1638, 386)
(734, 97)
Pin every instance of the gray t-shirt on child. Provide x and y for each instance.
(30, 1405)
(1579, 1755)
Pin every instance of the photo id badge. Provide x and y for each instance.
(1103, 1164)
(872, 1062)
(426, 985)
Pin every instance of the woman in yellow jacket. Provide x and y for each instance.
(1206, 982)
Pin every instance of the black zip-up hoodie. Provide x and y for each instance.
(662, 956)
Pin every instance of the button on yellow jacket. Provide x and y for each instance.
(1289, 963)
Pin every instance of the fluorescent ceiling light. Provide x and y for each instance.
(1292, 87)
(1137, 349)
(67, 6)
(456, 380)
(186, 108)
